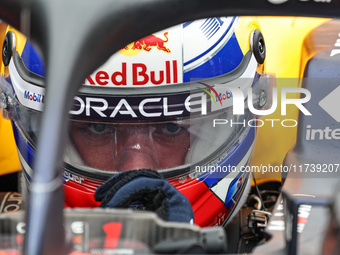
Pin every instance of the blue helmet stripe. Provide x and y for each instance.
(217, 42)
(32, 59)
(26, 150)
(187, 24)
(225, 61)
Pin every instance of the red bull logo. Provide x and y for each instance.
(147, 44)
(160, 62)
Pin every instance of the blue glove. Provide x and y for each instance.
(145, 189)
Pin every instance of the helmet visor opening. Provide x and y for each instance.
(161, 145)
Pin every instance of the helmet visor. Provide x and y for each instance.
(162, 145)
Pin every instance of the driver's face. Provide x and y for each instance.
(122, 147)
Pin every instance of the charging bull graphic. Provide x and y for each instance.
(150, 41)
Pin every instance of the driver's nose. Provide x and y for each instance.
(137, 150)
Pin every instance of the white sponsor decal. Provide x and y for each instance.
(123, 107)
(28, 95)
(68, 176)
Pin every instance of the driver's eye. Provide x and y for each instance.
(98, 128)
(171, 128)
